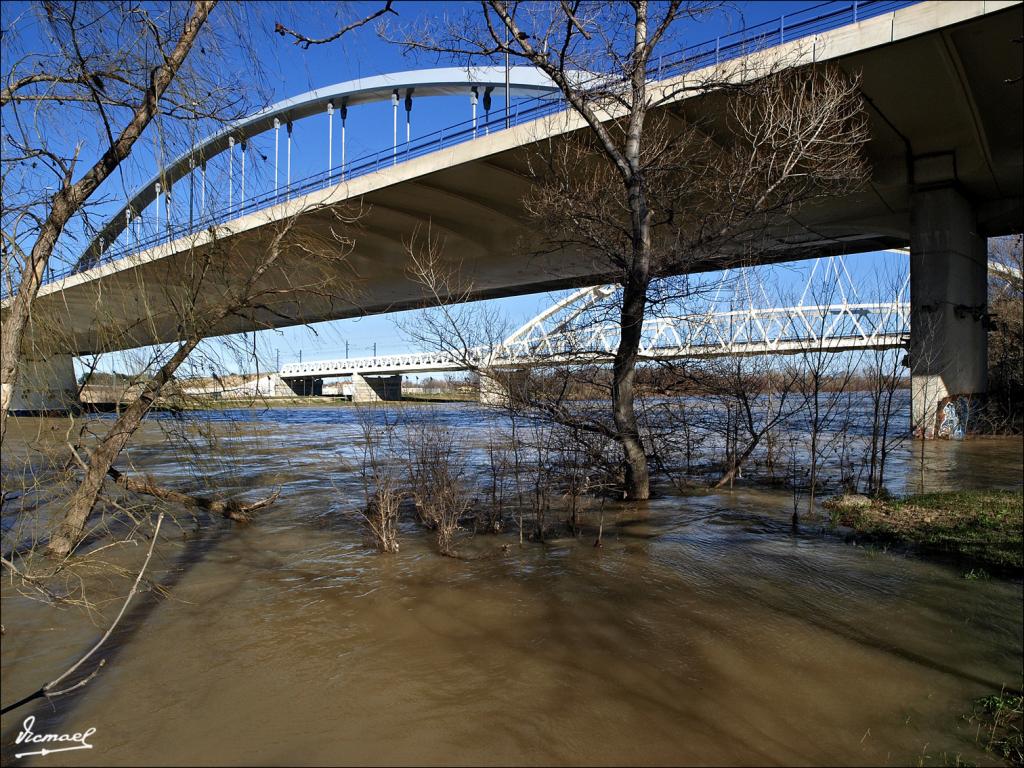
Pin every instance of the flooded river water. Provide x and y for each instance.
(706, 630)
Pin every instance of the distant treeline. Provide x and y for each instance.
(105, 379)
(715, 379)
(676, 380)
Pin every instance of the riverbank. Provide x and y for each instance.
(981, 528)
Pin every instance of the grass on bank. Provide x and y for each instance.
(983, 527)
(999, 721)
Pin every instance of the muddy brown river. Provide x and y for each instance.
(706, 630)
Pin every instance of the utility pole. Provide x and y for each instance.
(279, 360)
(346, 349)
(300, 355)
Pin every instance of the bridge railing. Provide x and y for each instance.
(802, 23)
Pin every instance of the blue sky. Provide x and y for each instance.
(288, 70)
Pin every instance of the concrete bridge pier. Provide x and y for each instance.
(948, 304)
(492, 391)
(499, 386)
(373, 389)
(45, 385)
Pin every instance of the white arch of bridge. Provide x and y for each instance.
(399, 87)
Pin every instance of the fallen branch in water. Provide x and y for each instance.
(231, 509)
(48, 689)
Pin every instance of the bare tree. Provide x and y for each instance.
(126, 71)
(436, 459)
(380, 473)
(755, 396)
(223, 280)
(885, 377)
(791, 138)
(650, 191)
(499, 470)
(81, 74)
(825, 378)
(650, 195)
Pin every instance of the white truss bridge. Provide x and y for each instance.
(579, 330)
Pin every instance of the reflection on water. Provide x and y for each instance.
(704, 631)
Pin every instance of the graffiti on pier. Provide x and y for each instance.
(954, 417)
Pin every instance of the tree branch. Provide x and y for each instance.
(48, 689)
(231, 509)
(305, 42)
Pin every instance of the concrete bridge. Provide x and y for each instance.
(742, 333)
(943, 81)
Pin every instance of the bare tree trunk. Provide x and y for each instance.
(815, 434)
(876, 403)
(634, 296)
(70, 198)
(884, 445)
(13, 332)
(82, 502)
(737, 463)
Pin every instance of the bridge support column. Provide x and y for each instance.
(45, 386)
(499, 387)
(306, 386)
(948, 302)
(373, 389)
(493, 391)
